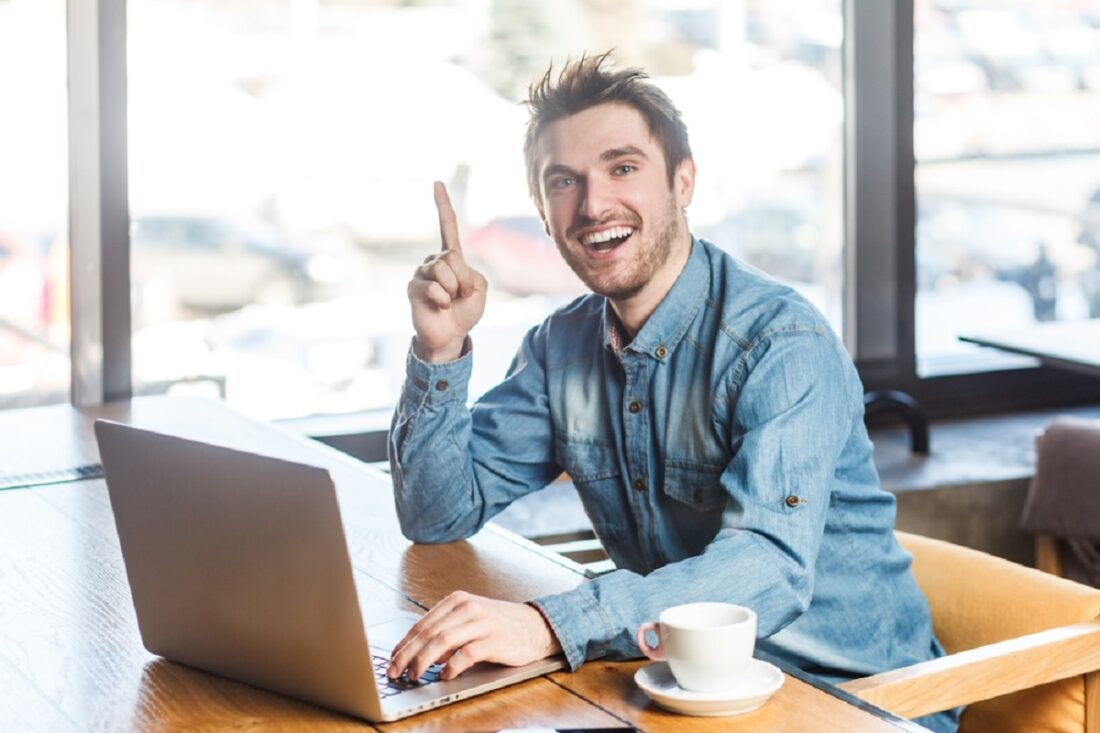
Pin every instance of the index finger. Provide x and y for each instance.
(448, 222)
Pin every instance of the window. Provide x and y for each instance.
(281, 179)
(281, 156)
(1007, 142)
(34, 307)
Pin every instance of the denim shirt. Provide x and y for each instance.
(722, 456)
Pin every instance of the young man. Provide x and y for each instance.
(711, 421)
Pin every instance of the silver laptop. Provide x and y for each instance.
(238, 565)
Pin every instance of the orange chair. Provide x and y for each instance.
(1023, 647)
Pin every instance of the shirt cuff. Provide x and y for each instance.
(581, 624)
(438, 384)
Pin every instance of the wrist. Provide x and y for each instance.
(441, 355)
(550, 643)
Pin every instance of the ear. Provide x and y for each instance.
(683, 182)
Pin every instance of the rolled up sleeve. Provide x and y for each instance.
(454, 467)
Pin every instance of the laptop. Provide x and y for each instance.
(238, 565)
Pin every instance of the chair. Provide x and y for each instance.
(1062, 509)
(1023, 647)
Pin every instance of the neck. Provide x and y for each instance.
(634, 311)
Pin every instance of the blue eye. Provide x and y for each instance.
(624, 168)
(562, 182)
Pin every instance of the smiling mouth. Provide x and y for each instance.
(608, 239)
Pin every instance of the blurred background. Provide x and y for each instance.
(281, 155)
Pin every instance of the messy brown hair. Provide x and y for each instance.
(591, 81)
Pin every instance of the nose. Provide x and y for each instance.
(595, 200)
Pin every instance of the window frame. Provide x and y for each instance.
(880, 218)
(99, 214)
(881, 207)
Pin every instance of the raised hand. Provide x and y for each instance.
(464, 629)
(447, 295)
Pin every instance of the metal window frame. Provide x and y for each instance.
(99, 218)
(881, 206)
(880, 218)
(878, 184)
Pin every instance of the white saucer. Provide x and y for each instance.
(759, 682)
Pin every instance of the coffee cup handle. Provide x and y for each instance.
(656, 653)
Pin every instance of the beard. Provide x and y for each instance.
(627, 280)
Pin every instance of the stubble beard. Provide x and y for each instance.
(639, 272)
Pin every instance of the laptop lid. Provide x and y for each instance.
(238, 565)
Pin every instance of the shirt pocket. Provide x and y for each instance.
(594, 469)
(694, 484)
(588, 460)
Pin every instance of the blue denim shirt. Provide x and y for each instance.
(721, 457)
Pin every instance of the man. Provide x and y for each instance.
(711, 421)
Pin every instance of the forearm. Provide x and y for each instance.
(455, 468)
(435, 491)
(600, 617)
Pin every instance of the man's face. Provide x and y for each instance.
(605, 198)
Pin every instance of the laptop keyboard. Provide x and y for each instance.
(389, 688)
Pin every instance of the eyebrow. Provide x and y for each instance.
(557, 169)
(615, 153)
(606, 156)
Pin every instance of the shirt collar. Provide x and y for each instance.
(666, 326)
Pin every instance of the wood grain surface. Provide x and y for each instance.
(71, 656)
(795, 707)
(537, 703)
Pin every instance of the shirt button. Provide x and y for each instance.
(635, 406)
(639, 484)
(793, 501)
(697, 496)
(442, 384)
(661, 352)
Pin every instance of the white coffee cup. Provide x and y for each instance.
(707, 645)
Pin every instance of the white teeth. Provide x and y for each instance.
(607, 235)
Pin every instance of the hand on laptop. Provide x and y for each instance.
(464, 629)
(447, 295)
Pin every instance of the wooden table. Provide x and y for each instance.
(1072, 345)
(71, 657)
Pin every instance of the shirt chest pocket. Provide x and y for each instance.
(586, 460)
(695, 485)
(594, 469)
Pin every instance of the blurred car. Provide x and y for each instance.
(214, 264)
(515, 253)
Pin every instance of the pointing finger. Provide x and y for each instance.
(448, 222)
